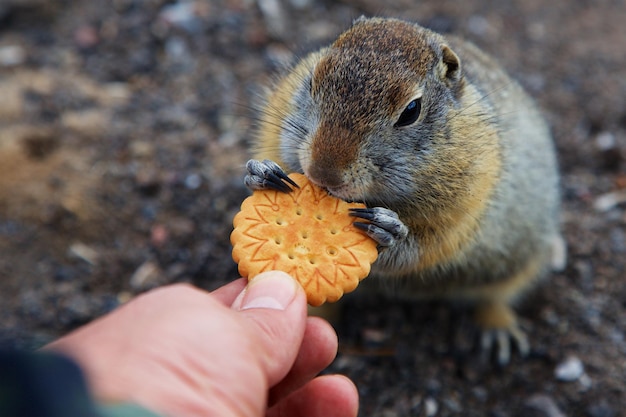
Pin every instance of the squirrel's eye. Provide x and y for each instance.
(410, 114)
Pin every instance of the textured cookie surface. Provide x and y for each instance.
(306, 233)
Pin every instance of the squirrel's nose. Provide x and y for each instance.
(324, 172)
(333, 150)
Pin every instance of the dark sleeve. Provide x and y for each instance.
(50, 385)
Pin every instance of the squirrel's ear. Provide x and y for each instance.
(450, 65)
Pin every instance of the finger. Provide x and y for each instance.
(275, 306)
(226, 294)
(325, 396)
(318, 349)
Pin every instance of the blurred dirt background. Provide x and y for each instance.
(124, 129)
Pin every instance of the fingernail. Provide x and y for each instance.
(274, 290)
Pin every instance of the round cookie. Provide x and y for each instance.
(306, 233)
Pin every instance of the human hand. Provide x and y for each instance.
(238, 351)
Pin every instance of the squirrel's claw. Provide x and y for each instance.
(267, 174)
(384, 226)
(500, 330)
(498, 341)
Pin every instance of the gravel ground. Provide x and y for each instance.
(124, 129)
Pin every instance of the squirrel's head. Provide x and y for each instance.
(367, 111)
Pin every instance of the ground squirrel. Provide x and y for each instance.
(451, 157)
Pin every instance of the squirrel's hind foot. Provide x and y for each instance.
(266, 174)
(500, 330)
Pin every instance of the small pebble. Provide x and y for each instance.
(86, 37)
(84, 252)
(193, 181)
(123, 297)
(142, 149)
(159, 235)
(605, 141)
(601, 409)
(609, 151)
(12, 55)
(148, 275)
(585, 382)
(544, 405)
(374, 336)
(430, 407)
(480, 393)
(176, 48)
(186, 15)
(569, 370)
(453, 405)
(275, 18)
(607, 201)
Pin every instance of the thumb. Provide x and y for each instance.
(275, 306)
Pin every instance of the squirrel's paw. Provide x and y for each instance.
(499, 331)
(384, 226)
(267, 174)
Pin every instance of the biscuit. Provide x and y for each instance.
(306, 233)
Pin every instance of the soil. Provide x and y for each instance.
(125, 126)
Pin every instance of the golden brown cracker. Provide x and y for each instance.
(306, 233)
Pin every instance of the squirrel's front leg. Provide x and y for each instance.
(266, 174)
(384, 225)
